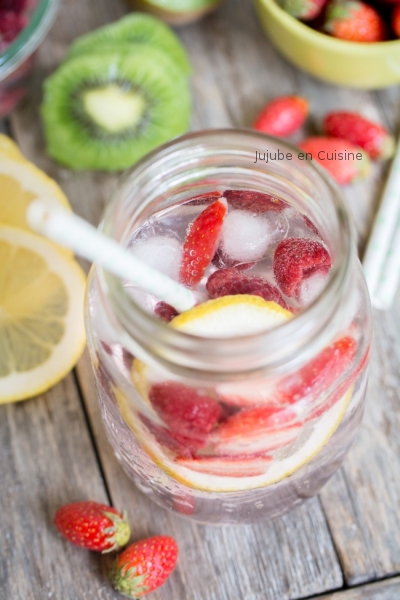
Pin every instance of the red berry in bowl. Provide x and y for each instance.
(296, 259)
(144, 566)
(343, 160)
(93, 526)
(358, 130)
(354, 21)
(396, 20)
(282, 116)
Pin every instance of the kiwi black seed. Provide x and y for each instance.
(133, 29)
(105, 112)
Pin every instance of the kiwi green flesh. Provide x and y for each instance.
(137, 28)
(81, 100)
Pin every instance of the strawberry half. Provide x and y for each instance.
(255, 202)
(144, 566)
(93, 526)
(201, 242)
(282, 116)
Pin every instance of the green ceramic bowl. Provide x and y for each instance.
(355, 64)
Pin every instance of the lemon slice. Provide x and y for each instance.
(9, 147)
(21, 182)
(41, 314)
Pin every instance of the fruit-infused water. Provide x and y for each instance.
(243, 406)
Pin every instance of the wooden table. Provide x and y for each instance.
(342, 545)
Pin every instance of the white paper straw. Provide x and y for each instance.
(389, 281)
(71, 231)
(384, 226)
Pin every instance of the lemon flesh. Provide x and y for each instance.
(41, 314)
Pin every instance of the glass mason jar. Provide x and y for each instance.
(312, 368)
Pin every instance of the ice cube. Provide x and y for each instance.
(160, 252)
(311, 287)
(245, 237)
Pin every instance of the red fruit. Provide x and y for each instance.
(296, 259)
(203, 198)
(311, 226)
(186, 410)
(11, 24)
(344, 161)
(225, 466)
(16, 6)
(144, 566)
(93, 526)
(229, 282)
(201, 242)
(319, 374)
(373, 138)
(178, 444)
(165, 311)
(396, 20)
(282, 116)
(256, 431)
(355, 21)
(254, 202)
(303, 9)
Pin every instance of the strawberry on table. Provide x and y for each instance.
(358, 130)
(354, 21)
(201, 242)
(296, 259)
(282, 116)
(343, 160)
(93, 526)
(306, 10)
(144, 566)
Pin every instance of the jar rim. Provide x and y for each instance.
(181, 351)
(30, 37)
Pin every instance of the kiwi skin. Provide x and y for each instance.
(74, 140)
(172, 17)
(133, 29)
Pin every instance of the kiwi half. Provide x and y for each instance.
(133, 29)
(106, 111)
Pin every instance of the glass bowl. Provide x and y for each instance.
(16, 61)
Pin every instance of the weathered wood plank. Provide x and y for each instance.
(47, 460)
(383, 590)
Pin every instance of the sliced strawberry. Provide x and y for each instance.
(178, 444)
(256, 431)
(229, 282)
(225, 466)
(318, 375)
(165, 311)
(203, 198)
(186, 410)
(255, 202)
(295, 259)
(201, 242)
(249, 394)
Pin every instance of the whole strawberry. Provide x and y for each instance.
(306, 10)
(282, 116)
(144, 566)
(396, 20)
(342, 159)
(370, 136)
(355, 21)
(93, 526)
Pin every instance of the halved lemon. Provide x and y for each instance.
(9, 147)
(21, 182)
(41, 314)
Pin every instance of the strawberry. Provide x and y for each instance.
(229, 282)
(165, 311)
(93, 526)
(355, 21)
(203, 198)
(178, 444)
(11, 24)
(227, 467)
(201, 242)
(256, 431)
(282, 116)
(255, 202)
(144, 566)
(296, 259)
(344, 161)
(358, 130)
(16, 6)
(306, 10)
(396, 20)
(186, 410)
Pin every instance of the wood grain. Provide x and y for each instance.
(383, 590)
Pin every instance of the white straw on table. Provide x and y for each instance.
(78, 235)
(384, 226)
(390, 278)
